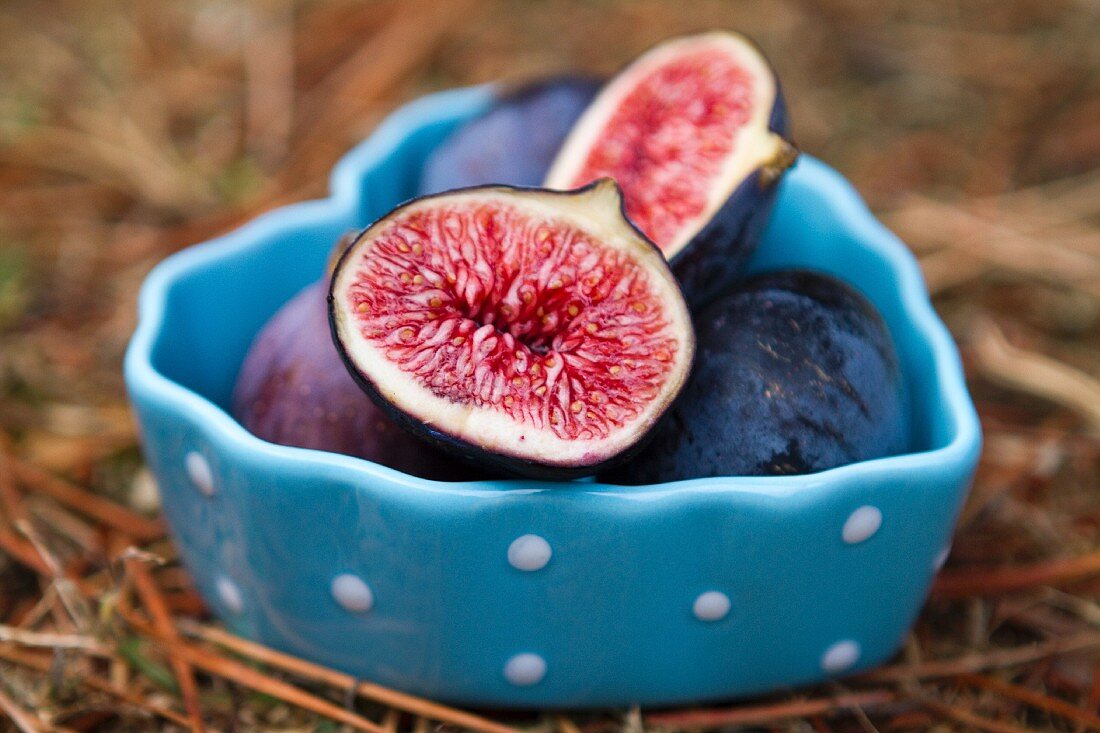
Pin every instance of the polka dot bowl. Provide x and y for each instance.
(521, 593)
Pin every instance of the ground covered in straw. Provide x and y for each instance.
(129, 130)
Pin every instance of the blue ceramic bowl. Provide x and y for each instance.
(521, 593)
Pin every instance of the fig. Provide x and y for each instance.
(293, 390)
(536, 331)
(694, 133)
(514, 141)
(796, 373)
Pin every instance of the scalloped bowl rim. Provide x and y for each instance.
(345, 185)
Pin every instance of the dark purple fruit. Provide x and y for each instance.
(533, 330)
(796, 373)
(514, 142)
(294, 390)
(693, 131)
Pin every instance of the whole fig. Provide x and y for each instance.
(795, 373)
(293, 390)
(514, 141)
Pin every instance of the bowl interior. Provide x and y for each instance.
(232, 285)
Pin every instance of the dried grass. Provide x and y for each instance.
(128, 131)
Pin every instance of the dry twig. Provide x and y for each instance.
(980, 662)
(44, 666)
(22, 719)
(1034, 373)
(769, 713)
(309, 670)
(108, 512)
(967, 582)
(251, 678)
(154, 602)
(24, 637)
(1033, 698)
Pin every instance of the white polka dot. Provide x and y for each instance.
(840, 656)
(941, 558)
(524, 670)
(711, 606)
(230, 594)
(862, 524)
(529, 552)
(352, 593)
(198, 469)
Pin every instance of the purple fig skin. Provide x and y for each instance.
(796, 373)
(514, 142)
(293, 389)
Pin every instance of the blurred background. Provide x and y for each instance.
(131, 129)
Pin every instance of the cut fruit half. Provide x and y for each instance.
(534, 330)
(693, 133)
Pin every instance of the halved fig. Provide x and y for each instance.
(537, 331)
(693, 131)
